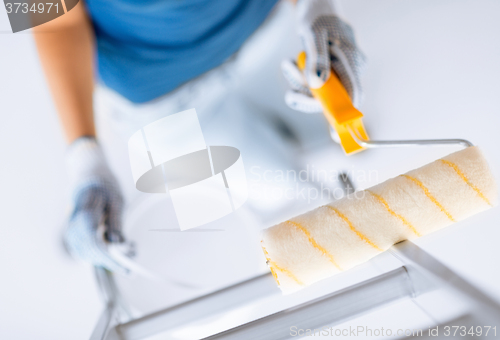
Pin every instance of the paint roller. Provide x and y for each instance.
(354, 229)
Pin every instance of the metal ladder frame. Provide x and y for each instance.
(419, 273)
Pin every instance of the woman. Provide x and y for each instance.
(149, 56)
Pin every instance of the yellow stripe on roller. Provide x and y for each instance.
(360, 235)
(284, 271)
(314, 243)
(393, 213)
(273, 265)
(268, 261)
(465, 179)
(429, 195)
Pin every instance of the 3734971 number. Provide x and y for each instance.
(469, 332)
(24, 7)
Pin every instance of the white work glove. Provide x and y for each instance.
(96, 201)
(329, 43)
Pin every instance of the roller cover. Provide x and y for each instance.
(350, 231)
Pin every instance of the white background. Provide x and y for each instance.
(433, 72)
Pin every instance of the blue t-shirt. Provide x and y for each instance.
(146, 48)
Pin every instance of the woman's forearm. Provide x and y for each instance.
(65, 46)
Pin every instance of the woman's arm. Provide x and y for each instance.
(65, 46)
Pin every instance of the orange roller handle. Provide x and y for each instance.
(338, 109)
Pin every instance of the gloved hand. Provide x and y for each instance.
(329, 43)
(97, 200)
